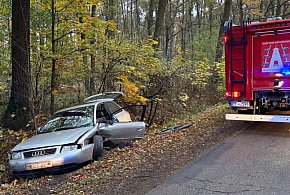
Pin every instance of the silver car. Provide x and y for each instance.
(75, 135)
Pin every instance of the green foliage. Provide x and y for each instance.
(204, 45)
(220, 69)
(202, 74)
(94, 49)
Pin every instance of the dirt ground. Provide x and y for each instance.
(138, 168)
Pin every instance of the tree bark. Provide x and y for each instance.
(159, 24)
(93, 58)
(18, 112)
(278, 8)
(110, 15)
(241, 12)
(198, 15)
(150, 20)
(226, 14)
(53, 67)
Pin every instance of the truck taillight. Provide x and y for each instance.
(235, 94)
(226, 39)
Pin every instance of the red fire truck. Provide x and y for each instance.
(257, 60)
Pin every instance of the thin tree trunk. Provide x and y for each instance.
(93, 59)
(150, 17)
(183, 31)
(241, 11)
(110, 15)
(261, 8)
(131, 20)
(137, 18)
(210, 18)
(53, 67)
(278, 9)
(198, 15)
(226, 14)
(124, 31)
(168, 32)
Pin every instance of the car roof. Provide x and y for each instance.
(84, 104)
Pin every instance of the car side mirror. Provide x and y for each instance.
(110, 122)
(105, 120)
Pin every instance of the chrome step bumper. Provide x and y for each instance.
(257, 117)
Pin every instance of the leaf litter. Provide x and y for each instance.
(133, 170)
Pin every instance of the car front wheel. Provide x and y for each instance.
(98, 146)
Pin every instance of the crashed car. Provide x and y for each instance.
(76, 135)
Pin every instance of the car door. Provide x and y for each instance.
(120, 126)
(123, 130)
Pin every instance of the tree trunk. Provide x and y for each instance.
(241, 12)
(150, 17)
(110, 15)
(183, 30)
(53, 67)
(198, 15)
(93, 58)
(226, 14)
(159, 24)
(210, 16)
(17, 114)
(278, 9)
(137, 23)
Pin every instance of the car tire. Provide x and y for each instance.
(98, 146)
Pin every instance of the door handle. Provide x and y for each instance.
(139, 129)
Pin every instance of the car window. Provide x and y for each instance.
(101, 111)
(69, 119)
(113, 107)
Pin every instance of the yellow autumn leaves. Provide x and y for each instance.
(131, 91)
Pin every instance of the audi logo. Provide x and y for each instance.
(38, 153)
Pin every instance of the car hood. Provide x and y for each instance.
(52, 139)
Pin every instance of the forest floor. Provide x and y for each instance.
(131, 170)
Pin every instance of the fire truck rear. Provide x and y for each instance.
(257, 58)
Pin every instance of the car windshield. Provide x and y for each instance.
(70, 119)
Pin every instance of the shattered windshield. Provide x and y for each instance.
(70, 119)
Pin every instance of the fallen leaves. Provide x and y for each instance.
(119, 165)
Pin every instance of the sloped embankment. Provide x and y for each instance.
(136, 169)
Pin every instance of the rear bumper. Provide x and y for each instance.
(259, 118)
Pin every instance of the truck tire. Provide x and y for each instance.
(98, 147)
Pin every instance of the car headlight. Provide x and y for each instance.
(69, 148)
(16, 155)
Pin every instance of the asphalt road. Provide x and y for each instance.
(256, 161)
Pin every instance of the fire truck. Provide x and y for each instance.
(257, 64)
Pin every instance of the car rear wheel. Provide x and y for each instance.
(98, 147)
